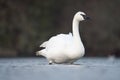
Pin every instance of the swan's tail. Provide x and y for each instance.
(41, 53)
(38, 53)
(40, 50)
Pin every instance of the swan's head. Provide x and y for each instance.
(80, 16)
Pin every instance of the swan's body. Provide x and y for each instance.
(65, 48)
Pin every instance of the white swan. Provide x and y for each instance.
(65, 48)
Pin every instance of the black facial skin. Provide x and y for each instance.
(85, 17)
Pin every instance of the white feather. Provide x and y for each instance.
(64, 48)
(44, 44)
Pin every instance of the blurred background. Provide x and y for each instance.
(25, 24)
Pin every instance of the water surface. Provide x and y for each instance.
(38, 69)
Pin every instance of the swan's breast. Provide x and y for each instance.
(75, 52)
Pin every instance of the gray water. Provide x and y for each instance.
(38, 69)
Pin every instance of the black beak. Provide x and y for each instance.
(86, 17)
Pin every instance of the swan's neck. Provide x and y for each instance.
(76, 34)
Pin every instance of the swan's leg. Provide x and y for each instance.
(50, 62)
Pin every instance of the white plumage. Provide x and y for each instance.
(65, 48)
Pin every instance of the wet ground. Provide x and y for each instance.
(38, 69)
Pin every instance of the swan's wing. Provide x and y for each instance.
(59, 41)
(56, 44)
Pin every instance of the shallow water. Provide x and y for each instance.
(38, 69)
